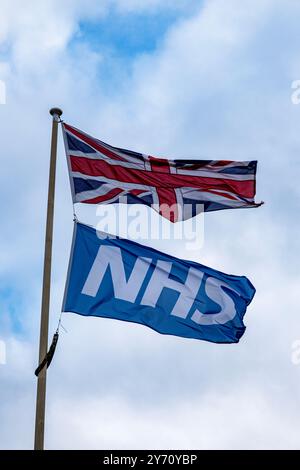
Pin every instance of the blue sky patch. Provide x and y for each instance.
(126, 35)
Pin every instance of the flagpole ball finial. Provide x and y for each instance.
(55, 112)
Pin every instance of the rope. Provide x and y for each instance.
(49, 356)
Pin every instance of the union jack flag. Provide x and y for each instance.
(177, 189)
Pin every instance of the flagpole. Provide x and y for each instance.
(41, 383)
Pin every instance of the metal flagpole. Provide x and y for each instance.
(41, 384)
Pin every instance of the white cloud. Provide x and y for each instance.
(209, 421)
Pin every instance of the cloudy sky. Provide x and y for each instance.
(179, 78)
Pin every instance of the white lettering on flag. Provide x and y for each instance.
(213, 288)
(128, 289)
(188, 290)
(111, 257)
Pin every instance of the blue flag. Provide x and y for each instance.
(118, 278)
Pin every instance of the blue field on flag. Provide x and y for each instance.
(120, 279)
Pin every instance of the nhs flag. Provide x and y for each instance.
(120, 279)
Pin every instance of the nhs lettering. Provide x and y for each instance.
(110, 257)
(120, 279)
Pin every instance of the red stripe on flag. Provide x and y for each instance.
(86, 166)
(166, 196)
(159, 164)
(103, 198)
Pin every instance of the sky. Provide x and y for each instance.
(191, 79)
